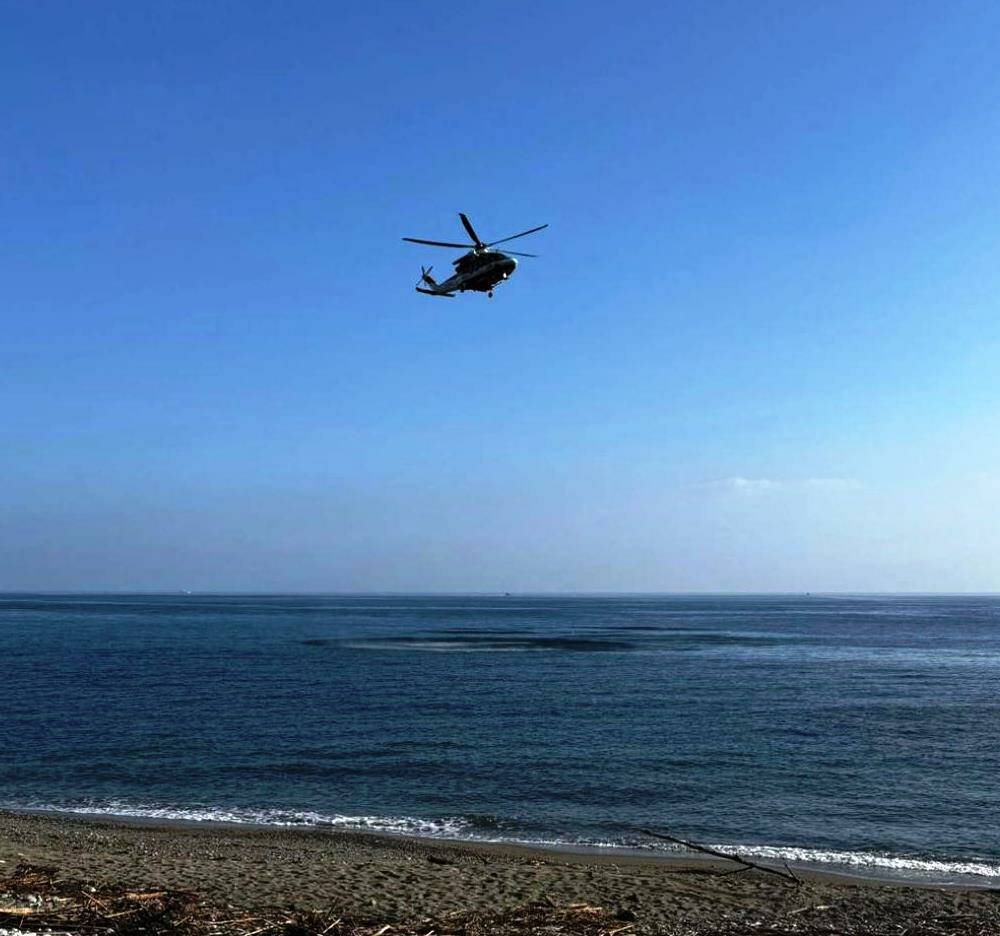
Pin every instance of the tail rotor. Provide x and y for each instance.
(425, 278)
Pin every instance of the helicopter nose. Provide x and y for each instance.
(510, 266)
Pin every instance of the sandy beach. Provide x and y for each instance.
(394, 880)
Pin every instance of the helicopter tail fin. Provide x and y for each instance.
(425, 277)
(428, 280)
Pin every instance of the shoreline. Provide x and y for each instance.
(569, 853)
(553, 851)
(398, 878)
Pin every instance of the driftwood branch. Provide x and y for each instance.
(787, 874)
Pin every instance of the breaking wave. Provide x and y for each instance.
(447, 827)
(872, 862)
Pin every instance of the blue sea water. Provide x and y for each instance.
(861, 732)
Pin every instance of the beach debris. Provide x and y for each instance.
(36, 900)
(439, 860)
(814, 907)
(787, 874)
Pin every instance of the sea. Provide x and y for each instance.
(857, 733)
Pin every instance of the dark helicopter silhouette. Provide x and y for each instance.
(479, 270)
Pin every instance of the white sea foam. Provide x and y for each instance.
(447, 827)
(874, 862)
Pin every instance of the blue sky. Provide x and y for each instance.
(759, 351)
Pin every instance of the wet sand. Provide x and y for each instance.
(397, 879)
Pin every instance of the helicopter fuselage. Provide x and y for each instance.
(476, 271)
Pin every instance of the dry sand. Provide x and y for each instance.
(397, 879)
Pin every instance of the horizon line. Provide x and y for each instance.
(196, 593)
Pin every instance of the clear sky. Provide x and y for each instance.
(759, 351)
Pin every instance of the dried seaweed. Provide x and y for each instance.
(36, 900)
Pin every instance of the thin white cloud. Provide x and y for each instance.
(750, 486)
(745, 485)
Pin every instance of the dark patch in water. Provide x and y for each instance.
(468, 642)
(316, 642)
(658, 628)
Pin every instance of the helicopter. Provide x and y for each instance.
(479, 270)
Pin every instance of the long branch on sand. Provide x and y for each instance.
(787, 874)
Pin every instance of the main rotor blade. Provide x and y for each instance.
(514, 253)
(471, 230)
(503, 240)
(417, 240)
